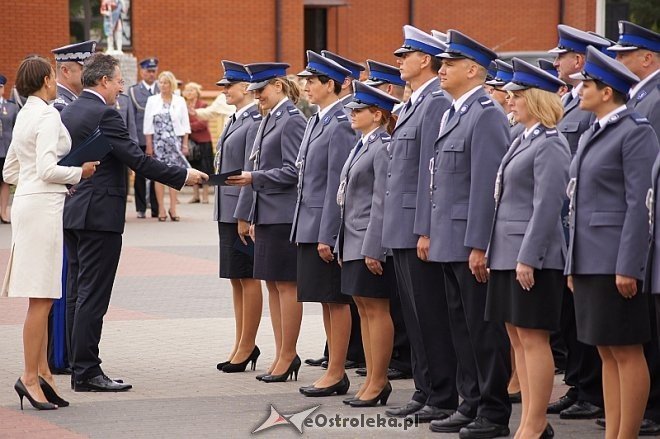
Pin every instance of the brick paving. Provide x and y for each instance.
(170, 321)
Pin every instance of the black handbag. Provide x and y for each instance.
(194, 150)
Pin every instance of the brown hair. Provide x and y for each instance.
(31, 74)
(289, 87)
(387, 118)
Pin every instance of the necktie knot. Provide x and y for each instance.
(596, 126)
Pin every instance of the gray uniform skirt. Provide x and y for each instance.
(318, 281)
(604, 317)
(274, 254)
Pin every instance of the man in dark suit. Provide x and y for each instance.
(94, 216)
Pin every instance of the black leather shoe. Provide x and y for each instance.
(141, 215)
(548, 433)
(315, 361)
(100, 383)
(582, 410)
(396, 374)
(340, 388)
(429, 413)
(60, 370)
(482, 428)
(452, 424)
(648, 427)
(561, 404)
(600, 422)
(515, 398)
(362, 371)
(324, 364)
(350, 364)
(405, 410)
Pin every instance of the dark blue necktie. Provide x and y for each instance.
(596, 126)
(357, 149)
(452, 111)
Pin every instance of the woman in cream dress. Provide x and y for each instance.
(35, 262)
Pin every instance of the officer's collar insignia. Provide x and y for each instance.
(641, 95)
(326, 120)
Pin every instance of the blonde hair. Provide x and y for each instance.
(169, 77)
(543, 105)
(194, 86)
(289, 87)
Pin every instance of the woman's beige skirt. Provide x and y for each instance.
(35, 259)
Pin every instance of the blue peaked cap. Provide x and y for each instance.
(261, 73)
(461, 46)
(547, 66)
(415, 40)
(380, 73)
(234, 72)
(633, 36)
(576, 40)
(611, 72)
(346, 63)
(366, 96)
(526, 75)
(319, 65)
(503, 75)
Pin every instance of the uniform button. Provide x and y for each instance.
(434, 206)
(452, 147)
(389, 174)
(391, 157)
(387, 193)
(434, 187)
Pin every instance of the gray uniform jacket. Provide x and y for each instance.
(234, 149)
(275, 175)
(407, 188)
(610, 177)
(652, 278)
(529, 192)
(468, 152)
(360, 197)
(323, 151)
(123, 107)
(647, 102)
(574, 122)
(8, 112)
(64, 98)
(139, 94)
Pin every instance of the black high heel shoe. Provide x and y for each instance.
(222, 364)
(382, 397)
(347, 401)
(340, 388)
(290, 372)
(548, 433)
(23, 392)
(51, 395)
(240, 367)
(172, 217)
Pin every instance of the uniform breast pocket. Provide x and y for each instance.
(452, 156)
(605, 219)
(570, 127)
(408, 137)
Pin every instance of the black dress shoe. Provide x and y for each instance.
(561, 404)
(362, 371)
(582, 410)
(648, 427)
(548, 433)
(396, 374)
(350, 364)
(405, 410)
(100, 383)
(429, 413)
(222, 364)
(482, 428)
(324, 364)
(515, 398)
(340, 388)
(315, 361)
(347, 401)
(452, 424)
(141, 215)
(60, 370)
(381, 397)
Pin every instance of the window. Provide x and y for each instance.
(87, 23)
(643, 12)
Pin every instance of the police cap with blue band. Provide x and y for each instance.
(234, 72)
(575, 40)
(367, 96)
(262, 73)
(3, 79)
(149, 63)
(318, 65)
(611, 72)
(380, 73)
(77, 52)
(461, 46)
(439, 35)
(526, 75)
(352, 66)
(415, 40)
(547, 66)
(633, 36)
(503, 75)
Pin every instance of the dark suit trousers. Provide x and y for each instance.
(140, 189)
(482, 348)
(401, 349)
(652, 354)
(583, 364)
(93, 259)
(424, 309)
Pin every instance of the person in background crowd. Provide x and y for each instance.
(236, 253)
(35, 262)
(8, 113)
(273, 190)
(200, 151)
(367, 268)
(166, 131)
(526, 252)
(610, 177)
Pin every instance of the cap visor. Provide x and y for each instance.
(356, 105)
(510, 86)
(305, 73)
(450, 55)
(580, 76)
(401, 50)
(620, 48)
(495, 83)
(257, 85)
(557, 50)
(223, 81)
(373, 83)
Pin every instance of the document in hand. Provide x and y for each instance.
(219, 179)
(94, 148)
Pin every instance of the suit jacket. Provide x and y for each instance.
(275, 175)
(323, 151)
(99, 203)
(234, 148)
(468, 152)
(360, 198)
(39, 142)
(647, 102)
(574, 122)
(529, 193)
(64, 98)
(609, 221)
(123, 107)
(652, 277)
(407, 188)
(139, 94)
(8, 112)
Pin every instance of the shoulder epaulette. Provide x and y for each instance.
(486, 102)
(385, 137)
(551, 133)
(293, 110)
(341, 115)
(256, 115)
(438, 93)
(640, 120)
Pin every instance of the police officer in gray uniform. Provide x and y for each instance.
(69, 61)
(346, 94)
(8, 112)
(388, 79)
(474, 136)
(584, 398)
(420, 283)
(138, 94)
(500, 95)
